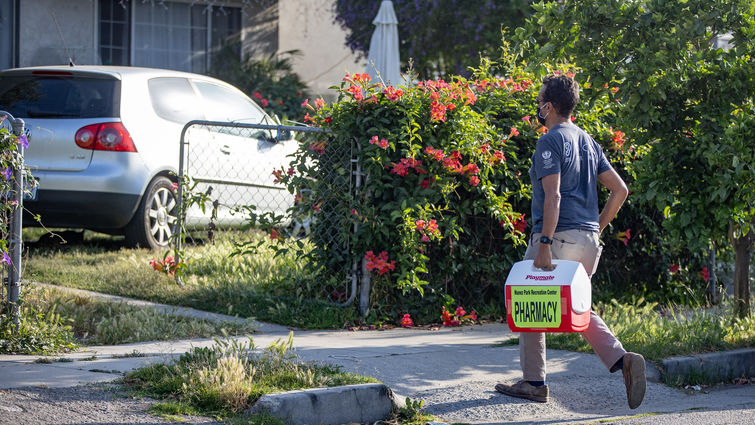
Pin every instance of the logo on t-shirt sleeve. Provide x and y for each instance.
(547, 159)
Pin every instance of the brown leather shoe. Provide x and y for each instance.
(523, 389)
(634, 378)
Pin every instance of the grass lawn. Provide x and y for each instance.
(56, 321)
(252, 286)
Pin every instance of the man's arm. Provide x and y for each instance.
(551, 207)
(618, 194)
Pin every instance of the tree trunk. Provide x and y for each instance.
(742, 253)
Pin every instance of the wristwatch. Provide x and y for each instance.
(546, 240)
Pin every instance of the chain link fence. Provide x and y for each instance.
(229, 181)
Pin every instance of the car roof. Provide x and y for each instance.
(119, 72)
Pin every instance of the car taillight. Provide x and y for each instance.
(109, 136)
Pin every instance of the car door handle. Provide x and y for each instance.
(226, 149)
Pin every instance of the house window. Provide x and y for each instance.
(168, 34)
(7, 33)
(114, 32)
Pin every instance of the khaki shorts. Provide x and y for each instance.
(575, 245)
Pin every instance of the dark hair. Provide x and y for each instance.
(563, 92)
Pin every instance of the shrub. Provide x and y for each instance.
(442, 210)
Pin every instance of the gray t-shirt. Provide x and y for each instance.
(570, 151)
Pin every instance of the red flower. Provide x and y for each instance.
(624, 236)
(257, 95)
(521, 224)
(618, 139)
(379, 262)
(318, 147)
(514, 132)
(382, 143)
(319, 103)
(437, 111)
(471, 168)
(355, 92)
(460, 311)
(392, 93)
(673, 268)
(328, 120)
(497, 158)
(425, 183)
(435, 154)
(264, 103)
(704, 274)
(406, 321)
(274, 235)
(305, 103)
(278, 175)
(474, 180)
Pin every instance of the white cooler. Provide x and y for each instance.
(548, 301)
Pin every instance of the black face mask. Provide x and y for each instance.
(540, 119)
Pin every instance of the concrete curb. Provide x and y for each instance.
(721, 366)
(361, 403)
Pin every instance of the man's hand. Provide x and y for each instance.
(543, 258)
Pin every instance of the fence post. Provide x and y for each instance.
(15, 227)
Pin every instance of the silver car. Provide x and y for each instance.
(104, 148)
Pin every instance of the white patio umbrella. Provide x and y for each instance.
(383, 57)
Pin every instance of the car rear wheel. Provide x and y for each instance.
(152, 224)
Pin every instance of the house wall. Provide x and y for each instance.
(260, 29)
(308, 26)
(43, 42)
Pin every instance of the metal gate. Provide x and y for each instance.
(226, 181)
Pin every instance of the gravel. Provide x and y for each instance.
(89, 404)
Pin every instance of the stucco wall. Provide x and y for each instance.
(307, 25)
(40, 42)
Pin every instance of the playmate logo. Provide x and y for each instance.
(530, 277)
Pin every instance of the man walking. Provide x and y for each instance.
(566, 166)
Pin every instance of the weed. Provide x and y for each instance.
(412, 414)
(506, 342)
(113, 371)
(44, 360)
(38, 332)
(134, 353)
(88, 359)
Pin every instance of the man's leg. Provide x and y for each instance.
(583, 246)
(531, 359)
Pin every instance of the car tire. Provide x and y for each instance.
(152, 224)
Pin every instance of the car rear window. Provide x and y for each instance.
(45, 96)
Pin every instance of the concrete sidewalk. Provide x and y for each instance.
(453, 370)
